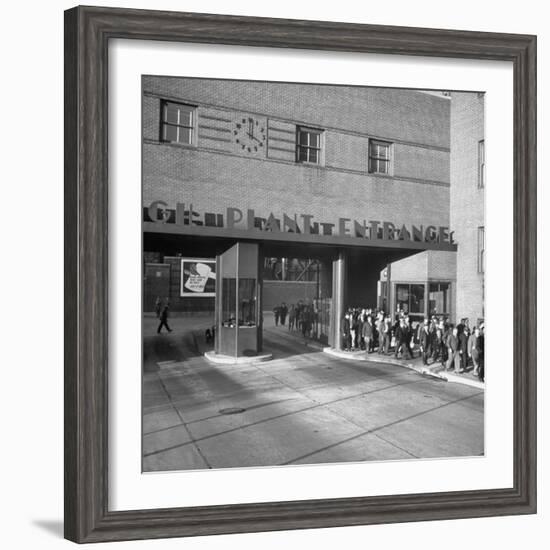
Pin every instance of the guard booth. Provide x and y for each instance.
(238, 302)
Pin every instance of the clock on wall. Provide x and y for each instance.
(249, 134)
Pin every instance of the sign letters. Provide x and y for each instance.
(235, 218)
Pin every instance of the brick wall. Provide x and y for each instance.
(217, 173)
(276, 292)
(212, 182)
(412, 269)
(441, 265)
(343, 151)
(429, 265)
(467, 200)
(393, 114)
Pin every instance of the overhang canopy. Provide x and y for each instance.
(292, 239)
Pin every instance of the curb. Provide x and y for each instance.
(422, 370)
(220, 359)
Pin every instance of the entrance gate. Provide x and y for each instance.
(346, 277)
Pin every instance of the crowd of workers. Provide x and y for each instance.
(301, 316)
(457, 347)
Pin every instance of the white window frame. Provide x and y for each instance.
(378, 159)
(320, 150)
(164, 123)
(481, 249)
(481, 164)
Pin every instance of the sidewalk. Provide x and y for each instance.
(433, 369)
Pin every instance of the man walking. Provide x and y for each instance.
(387, 335)
(368, 333)
(283, 310)
(425, 339)
(380, 331)
(402, 336)
(353, 329)
(453, 350)
(444, 330)
(307, 323)
(164, 318)
(481, 349)
(346, 332)
(463, 339)
(474, 349)
(410, 336)
(276, 313)
(291, 316)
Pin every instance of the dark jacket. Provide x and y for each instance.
(402, 334)
(368, 330)
(425, 339)
(463, 341)
(475, 343)
(345, 326)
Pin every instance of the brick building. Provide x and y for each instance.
(347, 192)
(467, 205)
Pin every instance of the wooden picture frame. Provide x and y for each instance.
(87, 34)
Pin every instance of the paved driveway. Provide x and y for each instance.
(303, 407)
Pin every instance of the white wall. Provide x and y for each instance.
(31, 189)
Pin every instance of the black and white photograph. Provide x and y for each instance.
(313, 273)
(256, 252)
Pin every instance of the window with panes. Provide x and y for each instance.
(308, 145)
(379, 157)
(178, 123)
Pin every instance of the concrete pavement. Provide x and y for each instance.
(432, 369)
(302, 407)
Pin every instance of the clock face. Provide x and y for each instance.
(249, 135)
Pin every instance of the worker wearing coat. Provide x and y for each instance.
(367, 332)
(426, 339)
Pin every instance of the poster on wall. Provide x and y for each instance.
(198, 277)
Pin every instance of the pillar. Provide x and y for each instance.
(389, 294)
(339, 268)
(259, 300)
(427, 299)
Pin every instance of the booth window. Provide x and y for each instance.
(247, 302)
(308, 145)
(439, 298)
(481, 164)
(379, 156)
(178, 123)
(229, 293)
(410, 298)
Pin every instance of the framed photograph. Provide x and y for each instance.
(289, 248)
